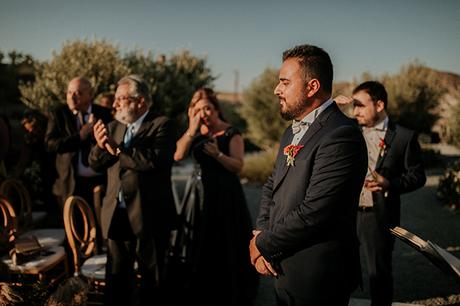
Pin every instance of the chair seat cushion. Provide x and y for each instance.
(47, 259)
(94, 267)
(48, 237)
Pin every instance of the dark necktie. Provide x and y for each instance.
(297, 126)
(86, 145)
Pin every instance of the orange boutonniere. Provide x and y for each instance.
(382, 146)
(291, 151)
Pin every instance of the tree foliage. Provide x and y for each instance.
(261, 110)
(454, 123)
(172, 80)
(413, 96)
(98, 60)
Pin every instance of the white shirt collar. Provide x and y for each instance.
(137, 124)
(316, 112)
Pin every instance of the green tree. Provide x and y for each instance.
(260, 108)
(98, 60)
(172, 79)
(413, 96)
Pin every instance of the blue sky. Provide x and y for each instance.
(248, 36)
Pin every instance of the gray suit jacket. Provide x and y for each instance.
(143, 171)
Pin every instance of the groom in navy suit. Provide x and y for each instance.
(306, 229)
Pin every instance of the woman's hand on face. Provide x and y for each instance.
(194, 120)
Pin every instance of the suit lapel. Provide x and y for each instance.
(312, 130)
(389, 136)
(145, 126)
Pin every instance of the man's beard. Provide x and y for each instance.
(294, 111)
(126, 115)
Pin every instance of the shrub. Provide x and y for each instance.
(449, 186)
(259, 165)
(260, 109)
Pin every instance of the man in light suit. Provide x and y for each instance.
(306, 229)
(138, 209)
(69, 135)
(395, 167)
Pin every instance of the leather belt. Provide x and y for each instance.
(365, 208)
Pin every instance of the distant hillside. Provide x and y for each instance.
(231, 97)
(450, 81)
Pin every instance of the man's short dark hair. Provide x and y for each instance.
(314, 62)
(374, 89)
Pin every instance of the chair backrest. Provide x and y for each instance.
(80, 228)
(19, 197)
(8, 224)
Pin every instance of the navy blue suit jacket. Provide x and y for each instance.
(308, 211)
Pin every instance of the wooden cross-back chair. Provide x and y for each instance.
(8, 226)
(26, 219)
(80, 227)
(19, 197)
(49, 265)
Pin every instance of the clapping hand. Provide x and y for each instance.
(87, 128)
(104, 141)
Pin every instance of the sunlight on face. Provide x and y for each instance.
(291, 90)
(125, 105)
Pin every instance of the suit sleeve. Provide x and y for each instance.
(155, 151)
(57, 140)
(413, 176)
(339, 168)
(266, 203)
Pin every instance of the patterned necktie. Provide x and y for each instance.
(128, 136)
(297, 126)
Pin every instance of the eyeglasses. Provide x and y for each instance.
(123, 99)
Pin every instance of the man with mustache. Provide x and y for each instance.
(138, 210)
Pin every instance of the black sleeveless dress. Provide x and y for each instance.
(216, 231)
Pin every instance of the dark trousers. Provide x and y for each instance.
(376, 246)
(285, 298)
(124, 248)
(84, 187)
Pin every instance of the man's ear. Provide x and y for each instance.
(380, 106)
(313, 87)
(141, 102)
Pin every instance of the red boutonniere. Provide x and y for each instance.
(291, 151)
(382, 146)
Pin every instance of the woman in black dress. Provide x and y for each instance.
(216, 225)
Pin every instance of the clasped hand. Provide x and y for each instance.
(257, 260)
(377, 183)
